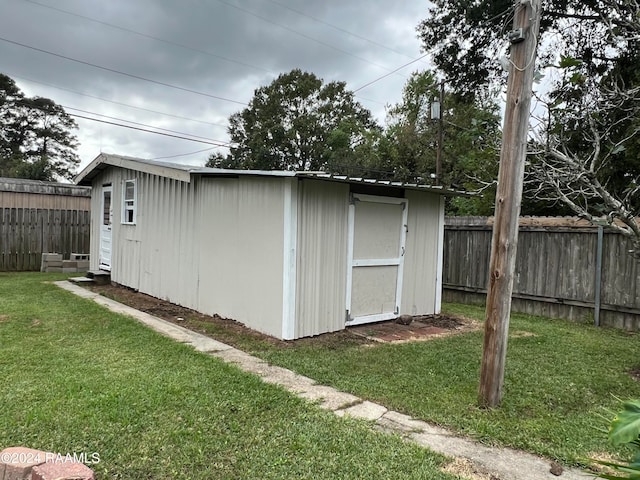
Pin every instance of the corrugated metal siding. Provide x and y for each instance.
(241, 259)
(421, 258)
(160, 252)
(322, 257)
(157, 255)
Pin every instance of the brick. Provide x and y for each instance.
(16, 463)
(62, 470)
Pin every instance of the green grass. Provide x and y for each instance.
(560, 377)
(76, 378)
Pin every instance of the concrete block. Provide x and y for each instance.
(83, 264)
(79, 256)
(62, 470)
(69, 270)
(17, 463)
(52, 256)
(69, 264)
(53, 263)
(54, 269)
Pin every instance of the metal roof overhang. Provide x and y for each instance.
(185, 172)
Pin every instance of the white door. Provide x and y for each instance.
(377, 233)
(106, 221)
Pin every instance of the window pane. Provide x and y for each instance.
(129, 190)
(107, 208)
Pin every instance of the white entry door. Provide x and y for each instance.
(377, 233)
(106, 221)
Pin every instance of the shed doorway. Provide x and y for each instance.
(377, 234)
(106, 221)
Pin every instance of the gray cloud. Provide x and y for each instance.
(259, 39)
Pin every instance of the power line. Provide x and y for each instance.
(141, 124)
(148, 131)
(183, 154)
(328, 45)
(121, 73)
(340, 29)
(134, 32)
(390, 73)
(117, 103)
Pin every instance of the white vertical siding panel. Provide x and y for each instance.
(322, 257)
(420, 284)
(155, 256)
(241, 250)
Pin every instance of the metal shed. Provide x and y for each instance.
(290, 254)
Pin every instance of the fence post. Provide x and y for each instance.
(598, 281)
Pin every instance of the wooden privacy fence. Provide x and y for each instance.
(41, 217)
(565, 268)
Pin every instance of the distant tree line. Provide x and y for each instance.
(35, 136)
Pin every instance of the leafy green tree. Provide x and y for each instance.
(471, 142)
(584, 158)
(35, 136)
(467, 38)
(299, 123)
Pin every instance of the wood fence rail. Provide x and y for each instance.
(565, 268)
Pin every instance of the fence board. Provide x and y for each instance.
(555, 269)
(26, 233)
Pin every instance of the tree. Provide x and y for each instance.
(467, 38)
(299, 123)
(471, 142)
(35, 136)
(584, 158)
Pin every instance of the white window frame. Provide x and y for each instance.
(129, 205)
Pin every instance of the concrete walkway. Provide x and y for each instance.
(488, 463)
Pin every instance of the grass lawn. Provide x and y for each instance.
(77, 378)
(560, 377)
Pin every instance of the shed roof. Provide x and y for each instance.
(184, 173)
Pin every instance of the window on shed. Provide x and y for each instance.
(129, 202)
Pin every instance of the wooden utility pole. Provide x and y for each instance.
(440, 150)
(504, 242)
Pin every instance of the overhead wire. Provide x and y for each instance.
(152, 37)
(182, 154)
(340, 29)
(138, 123)
(217, 144)
(390, 73)
(303, 35)
(119, 72)
(117, 103)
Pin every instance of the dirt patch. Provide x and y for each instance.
(222, 329)
(4, 318)
(635, 374)
(420, 329)
(463, 468)
(236, 334)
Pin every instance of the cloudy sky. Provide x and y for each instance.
(186, 65)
